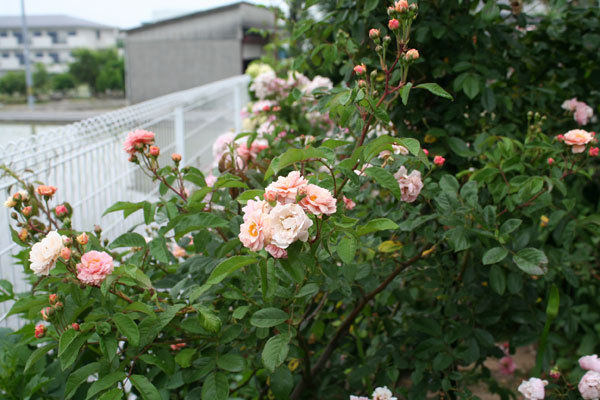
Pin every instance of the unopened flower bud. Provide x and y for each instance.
(97, 229)
(374, 33)
(61, 210)
(360, 69)
(65, 253)
(26, 211)
(82, 239)
(386, 40)
(53, 298)
(133, 158)
(46, 313)
(67, 241)
(379, 48)
(401, 6)
(176, 157)
(554, 373)
(550, 160)
(75, 326)
(426, 152)
(14, 215)
(23, 234)
(393, 24)
(594, 151)
(439, 160)
(362, 83)
(59, 306)
(154, 151)
(412, 54)
(40, 331)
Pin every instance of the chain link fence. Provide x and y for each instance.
(88, 165)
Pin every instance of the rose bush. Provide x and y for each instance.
(326, 255)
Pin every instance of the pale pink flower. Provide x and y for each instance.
(210, 179)
(276, 252)
(590, 363)
(439, 160)
(401, 5)
(221, 145)
(570, 105)
(45, 190)
(285, 189)
(358, 398)
(349, 204)
(412, 54)
(43, 254)
(178, 252)
(255, 231)
(256, 206)
(137, 139)
(289, 223)
(583, 113)
(507, 365)
(410, 185)
(383, 393)
(318, 200)
(95, 266)
(578, 138)
(266, 128)
(589, 386)
(317, 82)
(533, 389)
(262, 105)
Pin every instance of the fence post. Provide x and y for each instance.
(237, 108)
(180, 133)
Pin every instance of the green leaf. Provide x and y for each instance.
(442, 361)
(471, 85)
(112, 394)
(127, 207)
(268, 317)
(307, 290)
(404, 93)
(78, 377)
(209, 320)
(497, 279)
(275, 351)
(109, 346)
(531, 261)
(145, 387)
(494, 255)
(282, 382)
(553, 302)
(38, 354)
(215, 387)
(346, 249)
(374, 225)
(458, 239)
(385, 179)
(184, 357)
(159, 250)
(435, 89)
(127, 327)
(105, 382)
(69, 345)
(130, 239)
(459, 147)
(510, 226)
(292, 156)
(249, 195)
(231, 362)
(195, 222)
(227, 267)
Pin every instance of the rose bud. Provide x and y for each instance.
(26, 211)
(154, 151)
(360, 69)
(47, 191)
(61, 210)
(374, 33)
(23, 234)
(550, 160)
(65, 253)
(82, 239)
(40, 331)
(75, 326)
(426, 152)
(53, 298)
(594, 151)
(59, 306)
(401, 6)
(412, 54)
(393, 24)
(46, 313)
(176, 158)
(439, 160)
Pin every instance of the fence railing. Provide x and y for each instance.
(88, 165)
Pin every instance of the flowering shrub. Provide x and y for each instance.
(324, 256)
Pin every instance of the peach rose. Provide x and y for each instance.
(317, 200)
(286, 189)
(137, 139)
(44, 190)
(410, 185)
(289, 223)
(178, 251)
(43, 254)
(95, 266)
(255, 206)
(578, 138)
(255, 231)
(276, 252)
(401, 5)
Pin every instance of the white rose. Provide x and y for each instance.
(289, 223)
(43, 254)
(383, 393)
(10, 202)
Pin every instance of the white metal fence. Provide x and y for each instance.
(87, 163)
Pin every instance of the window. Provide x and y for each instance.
(98, 34)
(54, 57)
(21, 58)
(5, 55)
(3, 34)
(39, 55)
(72, 33)
(54, 36)
(37, 33)
(19, 37)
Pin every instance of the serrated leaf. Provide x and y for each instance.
(405, 92)
(346, 249)
(129, 239)
(509, 226)
(268, 317)
(292, 156)
(104, 383)
(494, 255)
(249, 195)
(145, 387)
(215, 387)
(38, 354)
(77, 377)
(435, 89)
(377, 224)
(385, 179)
(159, 250)
(112, 394)
(128, 328)
(275, 351)
(227, 267)
(497, 279)
(184, 357)
(231, 362)
(531, 261)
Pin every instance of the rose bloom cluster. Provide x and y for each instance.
(380, 393)
(268, 85)
(243, 153)
(582, 113)
(281, 218)
(578, 139)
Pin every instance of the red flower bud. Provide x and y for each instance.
(393, 24)
(75, 326)
(154, 151)
(40, 331)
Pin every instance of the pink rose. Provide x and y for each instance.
(210, 179)
(286, 189)
(590, 363)
(583, 113)
(594, 151)
(578, 138)
(137, 139)
(44, 190)
(255, 232)
(550, 160)
(570, 105)
(276, 252)
(533, 389)
(289, 223)
(401, 5)
(40, 331)
(507, 366)
(393, 24)
(255, 207)
(348, 203)
(439, 160)
(360, 69)
(589, 385)
(318, 200)
(95, 266)
(410, 185)
(61, 210)
(221, 145)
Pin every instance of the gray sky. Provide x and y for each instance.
(120, 13)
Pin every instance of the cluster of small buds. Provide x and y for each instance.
(403, 10)
(178, 346)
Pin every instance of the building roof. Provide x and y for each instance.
(49, 21)
(190, 16)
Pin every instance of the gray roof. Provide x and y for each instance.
(49, 21)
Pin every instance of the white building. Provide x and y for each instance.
(52, 39)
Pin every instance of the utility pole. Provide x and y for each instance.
(28, 79)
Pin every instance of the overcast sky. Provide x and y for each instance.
(120, 13)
